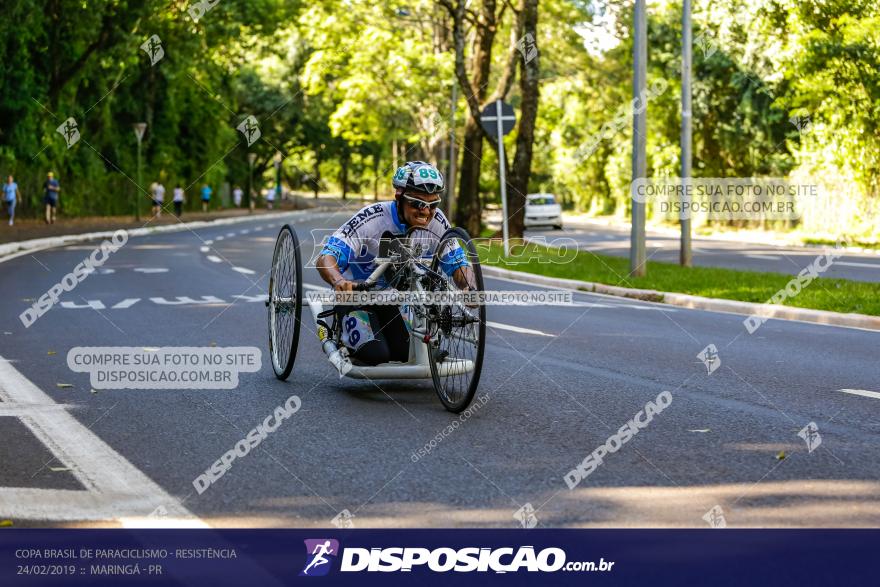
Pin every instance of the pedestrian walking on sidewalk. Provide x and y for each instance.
(206, 197)
(158, 198)
(11, 195)
(51, 187)
(178, 200)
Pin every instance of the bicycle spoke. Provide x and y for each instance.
(459, 331)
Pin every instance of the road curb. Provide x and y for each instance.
(11, 250)
(697, 302)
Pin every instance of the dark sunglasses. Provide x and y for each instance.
(421, 204)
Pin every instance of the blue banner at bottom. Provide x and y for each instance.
(401, 557)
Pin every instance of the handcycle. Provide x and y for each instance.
(446, 339)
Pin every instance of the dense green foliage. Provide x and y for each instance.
(344, 88)
(782, 88)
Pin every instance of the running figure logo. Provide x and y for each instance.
(153, 48)
(70, 131)
(710, 358)
(317, 553)
(250, 128)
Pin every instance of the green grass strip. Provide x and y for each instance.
(836, 295)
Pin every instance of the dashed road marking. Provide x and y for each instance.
(126, 303)
(854, 264)
(214, 259)
(517, 329)
(862, 392)
(244, 270)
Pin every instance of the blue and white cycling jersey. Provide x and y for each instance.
(355, 244)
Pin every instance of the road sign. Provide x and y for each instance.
(498, 119)
(489, 117)
(139, 128)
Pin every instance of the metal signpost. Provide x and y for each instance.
(686, 116)
(499, 118)
(139, 128)
(249, 200)
(639, 167)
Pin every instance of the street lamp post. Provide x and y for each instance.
(639, 163)
(249, 201)
(686, 129)
(139, 128)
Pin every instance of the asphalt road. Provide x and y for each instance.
(611, 240)
(556, 384)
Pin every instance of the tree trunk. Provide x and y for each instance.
(518, 183)
(467, 214)
(376, 177)
(343, 174)
(317, 178)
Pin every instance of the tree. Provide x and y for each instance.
(475, 89)
(520, 173)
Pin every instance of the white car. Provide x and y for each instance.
(542, 210)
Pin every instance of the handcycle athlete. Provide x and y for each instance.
(377, 334)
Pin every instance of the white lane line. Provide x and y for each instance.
(17, 411)
(765, 257)
(244, 270)
(244, 232)
(126, 303)
(854, 264)
(204, 249)
(219, 238)
(862, 392)
(518, 329)
(115, 489)
(214, 259)
(209, 242)
(230, 234)
(151, 269)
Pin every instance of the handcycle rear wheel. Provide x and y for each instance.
(458, 332)
(285, 302)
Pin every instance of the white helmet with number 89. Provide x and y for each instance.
(419, 177)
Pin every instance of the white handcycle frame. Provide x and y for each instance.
(418, 365)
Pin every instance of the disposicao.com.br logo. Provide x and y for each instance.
(442, 560)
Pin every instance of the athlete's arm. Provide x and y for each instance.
(330, 273)
(464, 277)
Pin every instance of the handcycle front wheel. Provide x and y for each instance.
(458, 332)
(285, 302)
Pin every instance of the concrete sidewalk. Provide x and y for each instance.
(29, 228)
